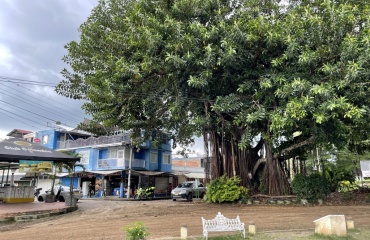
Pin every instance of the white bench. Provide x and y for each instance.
(222, 224)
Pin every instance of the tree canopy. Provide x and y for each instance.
(295, 74)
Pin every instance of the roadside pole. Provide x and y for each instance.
(129, 172)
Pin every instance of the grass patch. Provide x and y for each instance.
(353, 234)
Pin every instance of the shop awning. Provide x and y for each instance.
(104, 172)
(152, 173)
(59, 174)
(195, 175)
(16, 149)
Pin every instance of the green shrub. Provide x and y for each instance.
(337, 176)
(311, 187)
(225, 189)
(136, 231)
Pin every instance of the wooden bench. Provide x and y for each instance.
(222, 224)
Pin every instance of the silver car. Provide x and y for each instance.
(64, 193)
(188, 190)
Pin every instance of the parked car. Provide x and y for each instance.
(64, 193)
(188, 190)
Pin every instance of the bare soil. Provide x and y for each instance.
(103, 219)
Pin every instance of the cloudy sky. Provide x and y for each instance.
(32, 38)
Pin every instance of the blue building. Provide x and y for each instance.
(107, 161)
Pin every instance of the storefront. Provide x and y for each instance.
(12, 152)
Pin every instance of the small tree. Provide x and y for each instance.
(136, 231)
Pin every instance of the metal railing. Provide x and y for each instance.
(111, 163)
(93, 141)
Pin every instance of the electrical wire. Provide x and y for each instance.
(50, 98)
(20, 120)
(29, 111)
(21, 117)
(23, 81)
(49, 104)
(30, 102)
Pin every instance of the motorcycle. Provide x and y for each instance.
(37, 192)
(147, 193)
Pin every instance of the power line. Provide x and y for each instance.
(127, 92)
(35, 104)
(49, 98)
(29, 111)
(55, 106)
(23, 81)
(21, 116)
(19, 120)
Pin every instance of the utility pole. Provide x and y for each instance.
(129, 172)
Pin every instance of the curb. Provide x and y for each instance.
(29, 216)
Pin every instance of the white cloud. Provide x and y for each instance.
(3, 134)
(5, 57)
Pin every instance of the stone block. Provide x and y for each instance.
(331, 225)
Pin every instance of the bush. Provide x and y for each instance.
(311, 187)
(136, 231)
(337, 176)
(224, 189)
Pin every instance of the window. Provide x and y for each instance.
(153, 157)
(85, 157)
(127, 153)
(202, 162)
(45, 139)
(112, 153)
(166, 158)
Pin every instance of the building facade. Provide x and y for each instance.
(189, 168)
(108, 161)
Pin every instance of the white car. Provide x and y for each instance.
(64, 193)
(188, 190)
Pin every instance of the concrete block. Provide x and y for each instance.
(331, 225)
(184, 231)
(350, 224)
(252, 228)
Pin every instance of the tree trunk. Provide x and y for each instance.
(227, 158)
(274, 179)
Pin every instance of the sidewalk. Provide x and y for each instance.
(116, 198)
(12, 209)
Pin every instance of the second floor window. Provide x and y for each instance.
(153, 157)
(166, 158)
(112, 153)
(45, 139)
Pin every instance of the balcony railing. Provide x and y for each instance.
(111, 163)
(92, 141)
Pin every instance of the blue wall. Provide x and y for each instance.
(66, 181)
(53, 137)
(95, 154)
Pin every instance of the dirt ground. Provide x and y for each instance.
(99, 219)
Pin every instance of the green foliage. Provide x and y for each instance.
(225, 189)
(238, 68)
(136, 231)
(244, 195)
(339, 178)
(311, 187)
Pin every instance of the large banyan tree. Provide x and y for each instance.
(260, 80)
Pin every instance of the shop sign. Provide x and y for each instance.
(26, 166)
